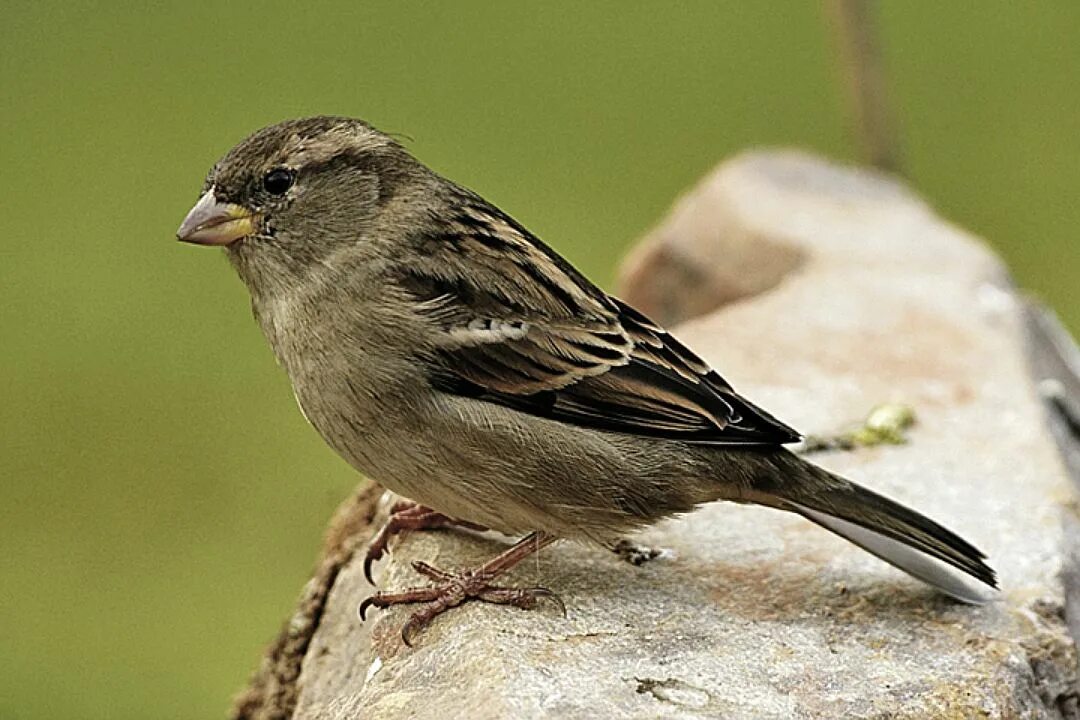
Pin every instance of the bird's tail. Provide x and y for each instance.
(896, 534)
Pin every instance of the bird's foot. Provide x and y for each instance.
(452, 589)
(407, 515)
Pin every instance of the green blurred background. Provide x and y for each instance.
(161, 500)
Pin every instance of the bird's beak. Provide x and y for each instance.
(212, 222)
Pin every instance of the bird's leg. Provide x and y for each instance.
(407, 515)
(453, 588)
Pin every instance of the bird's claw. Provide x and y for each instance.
(407, 515)
(451, 590)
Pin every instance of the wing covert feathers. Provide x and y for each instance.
(522, 328)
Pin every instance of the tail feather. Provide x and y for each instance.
(896, 534)
(927, 566)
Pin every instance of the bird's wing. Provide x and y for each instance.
(522, 328)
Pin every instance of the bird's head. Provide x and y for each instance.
(291, 194)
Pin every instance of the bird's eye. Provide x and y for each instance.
(278, 181)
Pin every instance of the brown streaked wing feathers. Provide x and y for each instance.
(525, 330)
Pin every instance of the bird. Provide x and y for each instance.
(446, 352)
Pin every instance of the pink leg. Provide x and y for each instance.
(407, 515)
(452, 589)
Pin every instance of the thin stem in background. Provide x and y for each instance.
(859, 47)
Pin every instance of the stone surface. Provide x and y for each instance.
(1055, 360)
(849, 292)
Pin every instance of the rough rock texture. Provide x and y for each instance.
(852, 293)
(1055, 360)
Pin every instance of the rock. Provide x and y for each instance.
(840, 291)
(1055, 361)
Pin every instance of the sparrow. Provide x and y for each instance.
(444, 351)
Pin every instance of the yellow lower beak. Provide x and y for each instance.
(212, 222)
